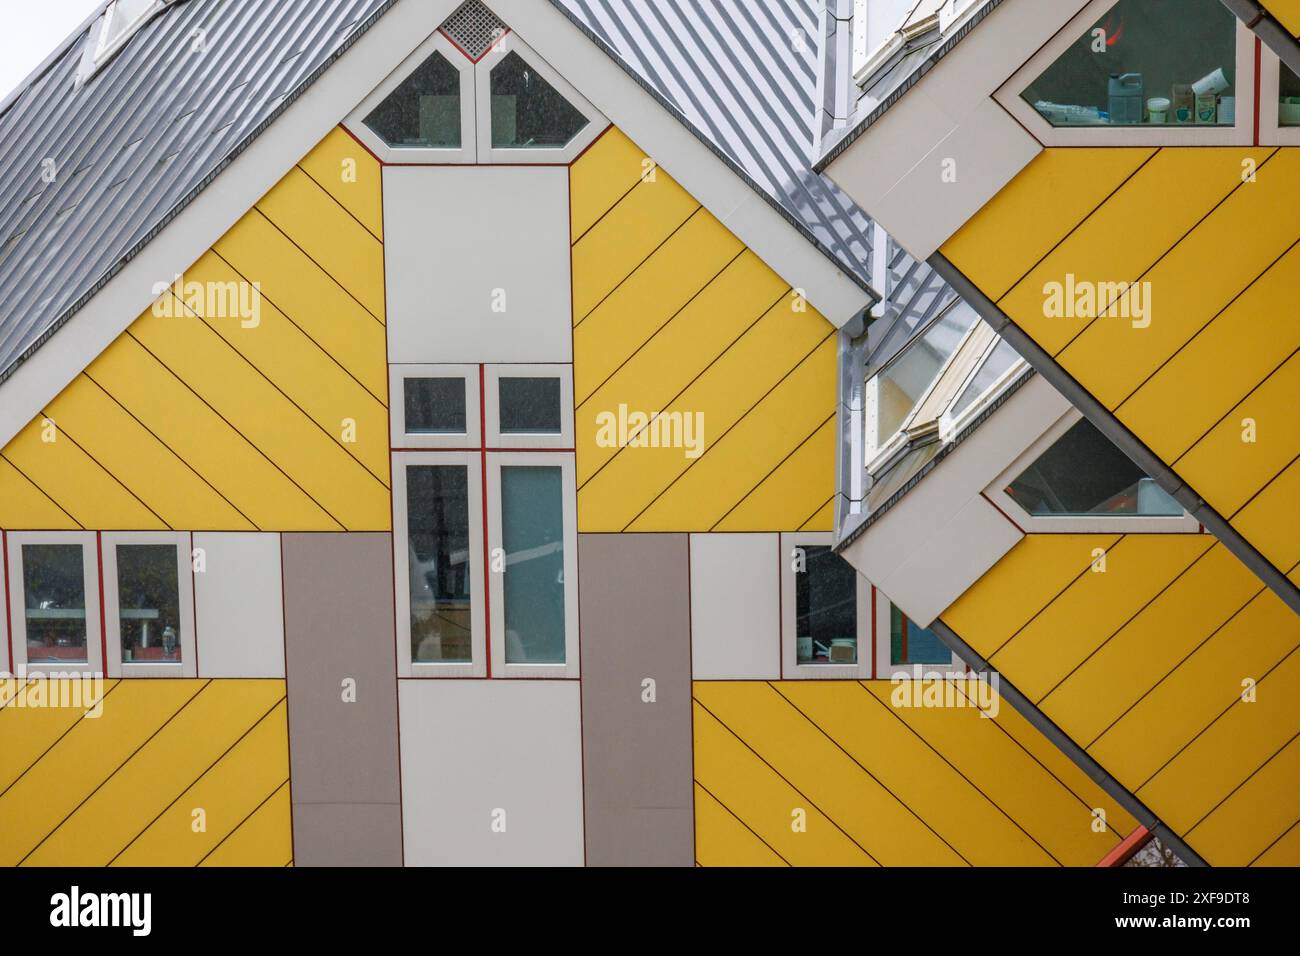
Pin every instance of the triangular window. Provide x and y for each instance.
(527, 111)
(424, 111)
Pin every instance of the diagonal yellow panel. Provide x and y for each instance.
(915, 773)
(346, 170)
(83, 759)
(324, 230)
(686, 278)
(1271, 520)
(722, 840)
(1230, 464)
(1125, 237)
(140, 461)
(1287, 13)
(1228, 752)
(823, 520)
(232, 465)
(1252, 227)
(628, 233)
(226, 795)
(1009, 776)
(600, 177)
(1250, 820)
(1285, 852)
(812, 763)
(1197, 690)
(1096, 606)
(27, 732)
(1020, 585)
(677, 353)
(280, 430)
(1184, 399)
(264, 839)
(76, 482)
(1035, 211)
(782, 498)
(734, 462)
(23, 506)
(310, 297)
(306, 374)
(180, 752)
(766, 803)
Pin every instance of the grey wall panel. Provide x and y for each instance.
(338, 626)
(635, 603)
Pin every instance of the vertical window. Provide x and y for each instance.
(825, 611)
(54, 598)
(148, 604)
(1288, 97)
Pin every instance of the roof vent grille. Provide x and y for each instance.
(473, 28)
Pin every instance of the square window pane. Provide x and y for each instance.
(532, 534)
(440, 570)
(149, 603)
(54, 596)
(434, 406)
(826, 609)
(910, 644)
(529, 406)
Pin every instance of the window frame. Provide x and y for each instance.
(114, 665)
(1271, 131)
(496, 582)
(477, 664)
(400, 438)
(1241, 133)
(886, 669)
(493, 438)
(791, 669)
(90, 557)
(949, 424)
(1075, 524)
(106, 49)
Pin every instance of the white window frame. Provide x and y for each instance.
(404, 156)
(1242, 133)
(477, 665)
(791, 669)
(1271, 131)
(597, 122)
(115, 666)
(1075, 524)
(472, 437)
(105, 49)
(94, 663)
(565, 461)
(886, 669)
(563, 439)
(950, 425)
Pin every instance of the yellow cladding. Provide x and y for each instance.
(28, 732)
(672, 314)
(877, 781)
(258, 403)
(1287, 13)
(261, 840)
(1271, 521)
(1247, 823)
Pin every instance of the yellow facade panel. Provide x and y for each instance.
(1271, 520)
(823, 520)
(1253, 817)
(601, 176)
(28, 732)
(345, 169)
(1285, 852)
(264, 839)
(23, 505)
(783, 498)
(722, 840)
(1287, 13)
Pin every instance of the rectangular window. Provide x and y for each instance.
(149, 604)
(528, 406)
(825, 611)
(54, 596)
(435, 406)
(912, 644)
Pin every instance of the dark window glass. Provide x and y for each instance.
(54, 596)
(1288, 106)
(441, 574)
(527, 112)
(424, 111)
(826, 609)
(910, 644)
(1083, 473)
(1159, 62)
(532, 534)
(434, 406)
(529, 406)
(149, 603)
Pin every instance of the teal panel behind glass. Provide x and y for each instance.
(532, 532)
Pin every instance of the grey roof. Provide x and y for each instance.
(733, 73)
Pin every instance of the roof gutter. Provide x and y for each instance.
(1275, 36)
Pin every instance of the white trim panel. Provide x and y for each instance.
(735, 606)
(239, 604)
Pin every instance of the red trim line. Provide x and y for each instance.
(465, 53)
(369, 152)
(1258, 57)
(1128, 848)
(875, 636)
(194, 605)
(103, 628)
(9, 623)
(1003, 513)
(487, 550)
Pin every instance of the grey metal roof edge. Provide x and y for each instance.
(69, 41)
(1066, 744)
(1265, 26)
(832, 152)
(189, 197)
(1117, 432)
(713, 148)
(855, 529)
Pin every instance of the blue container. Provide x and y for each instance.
(1125, 98)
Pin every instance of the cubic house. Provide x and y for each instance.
(562, 432)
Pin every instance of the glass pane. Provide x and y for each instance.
(1083, 473)
(527, 112)
(149, 603)
(437, 540)
(1145, 61)
(910, 644)
(1000, 359)
(125, 13)
(424, 111)
(530, 406)
(532, 532)
(1288, 106)
(434, 406)
(54, 595)
(903, 382)
(825, 609)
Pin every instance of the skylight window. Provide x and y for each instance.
(122, 19)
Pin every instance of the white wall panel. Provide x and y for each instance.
(239, 606)
(735, 606)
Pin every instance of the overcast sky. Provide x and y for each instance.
(32, 31)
